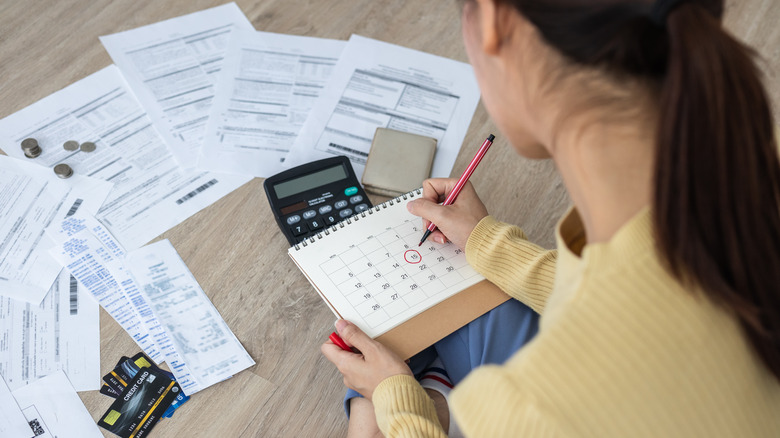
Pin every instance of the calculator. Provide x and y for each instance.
(313, 196)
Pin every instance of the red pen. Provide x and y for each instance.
(336, 339)
(462, 181)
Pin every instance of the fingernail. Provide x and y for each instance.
(340, 324)
(440, 240)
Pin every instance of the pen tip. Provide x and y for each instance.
(419, 244)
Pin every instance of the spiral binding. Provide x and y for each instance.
(356, 217)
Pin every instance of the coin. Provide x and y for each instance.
(70, 145)
(63, 170)
(32, 153)
(29, 143)
(88, 146)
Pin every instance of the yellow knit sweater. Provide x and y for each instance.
(623, 350)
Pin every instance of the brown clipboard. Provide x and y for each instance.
(430, 326)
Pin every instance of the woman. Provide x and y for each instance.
(660, 309)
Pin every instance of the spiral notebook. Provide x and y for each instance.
(370, 270)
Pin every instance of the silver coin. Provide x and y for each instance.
(63, 170)
(29, 143)
(88, 146)
(33, 153)
(70, 145)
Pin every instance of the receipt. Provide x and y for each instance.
(94, 258)
(208, 351)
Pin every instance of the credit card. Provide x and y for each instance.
(117, 380)
(106, 390)
(141, 405)
(127, 368)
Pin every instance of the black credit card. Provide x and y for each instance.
(141, 405)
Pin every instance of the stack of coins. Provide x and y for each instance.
(31, 148)
(63, 171)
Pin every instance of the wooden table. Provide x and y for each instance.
(234, 248)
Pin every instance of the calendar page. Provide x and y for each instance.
(370, 271)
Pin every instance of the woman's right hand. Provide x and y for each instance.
(454, 222)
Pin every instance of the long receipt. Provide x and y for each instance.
(208, 351)
(370, 271)
(154, 297)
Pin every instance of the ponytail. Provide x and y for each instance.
(716, 199)
(717, 176)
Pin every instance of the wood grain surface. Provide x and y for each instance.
(234, 248)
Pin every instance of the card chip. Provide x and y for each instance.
(111, 417)
(142, 363)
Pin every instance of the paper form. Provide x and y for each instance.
(267, 87)
(151, 193)
(53, 409)
(62, 333)
(31, 199)
(376, 84)
(93, 257)
(208, 349)
(171, 67)
(12, 421)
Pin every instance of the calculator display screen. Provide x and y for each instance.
(310, 181)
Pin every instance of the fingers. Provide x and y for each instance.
(426, 209)
(353, 336)
(437, 189)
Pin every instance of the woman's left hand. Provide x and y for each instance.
(365, 370)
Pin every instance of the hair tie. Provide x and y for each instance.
(661, 9)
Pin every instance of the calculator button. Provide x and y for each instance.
(341, 204)
(308, 214)
(294, 219)
(299, 229)
(355, 199)
(361, 208)
(330, 219)
(325, 209)
(316, 224)
(350, 191)
(345, 212)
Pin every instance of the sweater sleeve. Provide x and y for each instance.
(502, 254)
(403, 409)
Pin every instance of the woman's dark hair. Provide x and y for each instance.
(716, 199)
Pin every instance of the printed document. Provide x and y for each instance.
(62, 333)
(94, 258)
(171, 67)
(267, 87)
(12, 421)
(151, 193)
(376, 84)
(31, 199)
(53, 409)
(208, 349)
